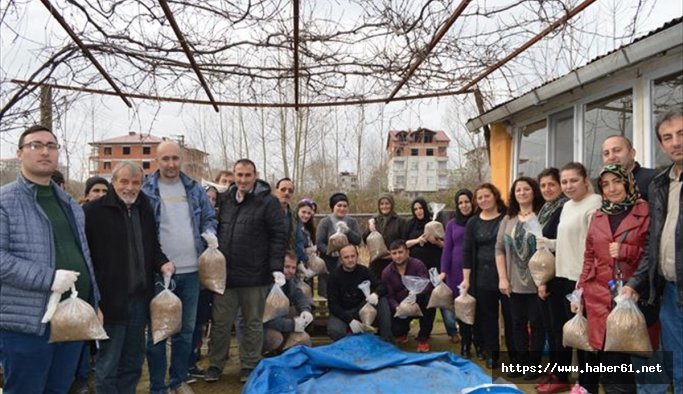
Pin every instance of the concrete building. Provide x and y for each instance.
(141, 148)
(566, 119)
(418, 161)
(348, 181)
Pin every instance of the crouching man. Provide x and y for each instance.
(402, 264)
(276, 331)
(345, 299)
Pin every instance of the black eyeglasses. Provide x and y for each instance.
(37, 145)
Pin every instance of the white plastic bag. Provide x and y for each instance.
(626, 329)
(368, 313)
(465, 307)
(277, 304)
(338, 240)
(316, 264)
(212, 269)
(434, 229)
(166, 313)
(75, 320)
(409, 306)
(442, 295)
(376, 246)
(575, 330)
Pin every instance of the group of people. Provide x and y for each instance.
(132, 233)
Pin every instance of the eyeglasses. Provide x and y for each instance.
(39, 146)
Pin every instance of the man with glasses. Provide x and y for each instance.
(43, 249)
(284, 190)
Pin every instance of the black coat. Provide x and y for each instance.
(107, 231)
(251, 236)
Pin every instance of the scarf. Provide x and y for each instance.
(632, 193)
(382, 220)
(419, 224)
(549, 208)
(460, 218)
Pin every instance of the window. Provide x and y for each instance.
(612, 115)
(146, 150)
(531, 158)
(414, 152)
(430, 152)
(414, 166)
(667, 94)
(106, 165)
(399, 152)
(107, 150)
(562, 138)
(398, 165)
(430, 181)
(428, 138)
(126, 150)
(400, 180)
(146, 165)
(442, 165)
(430, 166)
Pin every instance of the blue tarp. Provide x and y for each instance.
(366, 364)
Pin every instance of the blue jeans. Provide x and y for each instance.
(32, 365)
(671, 317)
(83, 369)
(187, 289)
(120, 359)
(449, 321)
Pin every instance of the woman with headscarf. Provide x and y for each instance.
(339, 204)
(390, 225)
(614, 247)
(450, 264)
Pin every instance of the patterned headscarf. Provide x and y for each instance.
(632, 193)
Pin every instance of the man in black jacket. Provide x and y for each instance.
(345, 299)
(251, 236)
(618, 149)
(661, 269)
(125, 250)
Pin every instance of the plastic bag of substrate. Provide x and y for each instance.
(542, 266)
(575, 330)
(338, 240)
(166, 313)
(297, 338)
(212, 271)
(75, 320)
(434, 229)
(376, 246)
(305, 288)
(316, 264)
(409, 307)
(465, 307)
(442, 295)
(626, 329)
(277, 304)
(368, 312)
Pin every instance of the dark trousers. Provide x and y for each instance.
(400, 327)
(560, 313)
(613, 382)
(525, 313)
(120, 358)
(32, 365)
(337, 328)
(204, 305)
(331, 263)
(488, 304)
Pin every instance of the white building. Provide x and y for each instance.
(418, 161)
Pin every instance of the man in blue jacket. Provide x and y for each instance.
(42, 250)
(183, 214)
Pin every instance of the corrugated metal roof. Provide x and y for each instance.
(667, 25)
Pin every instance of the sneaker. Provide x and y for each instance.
(423, 347)
(190, 379)
(402, 339)
(182, 389)
(212, 375)
(244, 375)
(196, 372)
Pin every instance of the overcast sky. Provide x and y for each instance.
(110, 117)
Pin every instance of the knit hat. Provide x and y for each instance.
(336, 197)
(92, 181)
